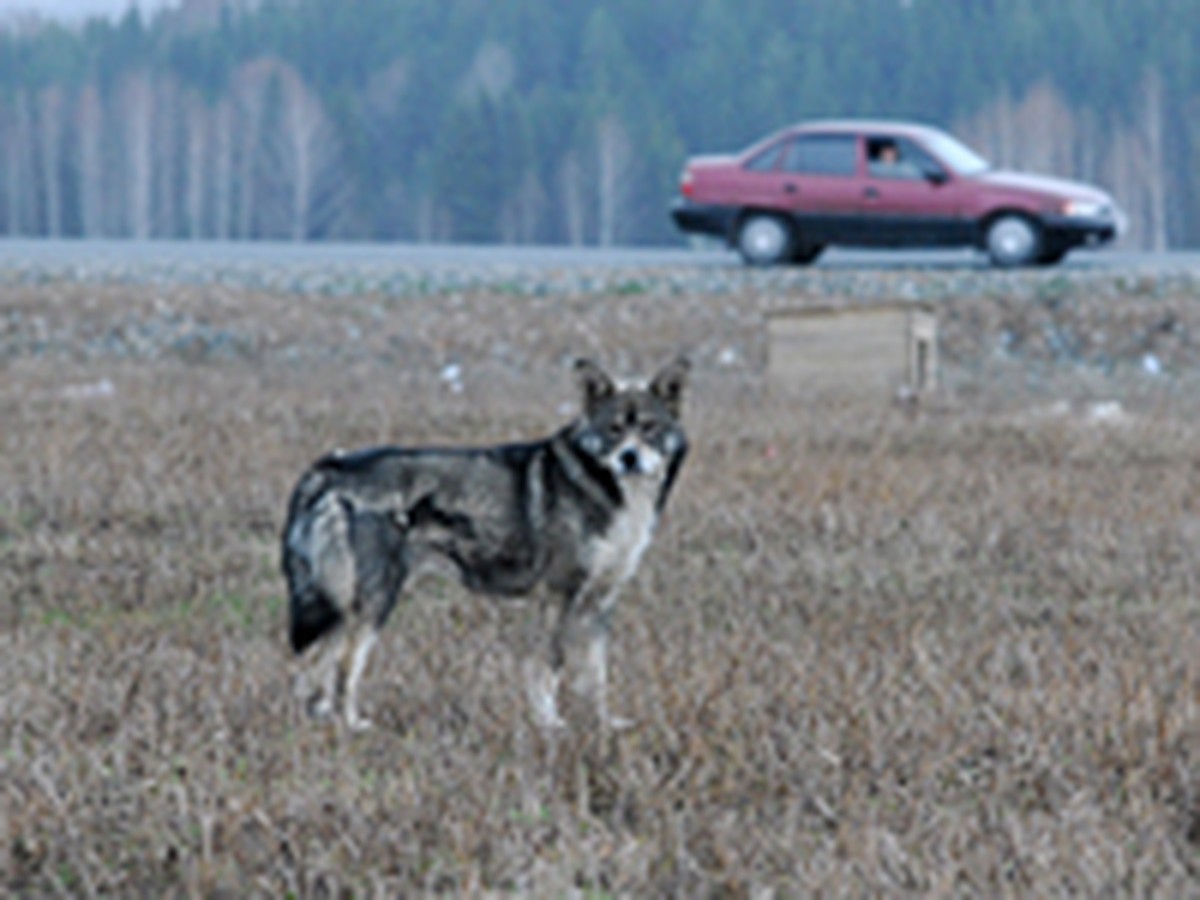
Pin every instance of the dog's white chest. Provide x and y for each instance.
(617, 552)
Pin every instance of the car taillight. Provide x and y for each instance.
(685, 183)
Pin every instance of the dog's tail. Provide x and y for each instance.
(317, 561)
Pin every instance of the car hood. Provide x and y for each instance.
(1043, 184)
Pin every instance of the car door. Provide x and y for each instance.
(823, 201)
(907, 196)
(812, 179)
(760, 183)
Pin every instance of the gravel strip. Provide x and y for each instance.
(448, 320)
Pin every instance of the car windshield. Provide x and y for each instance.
(955, 154)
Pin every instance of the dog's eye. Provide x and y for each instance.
(649, 428)
(615, 429)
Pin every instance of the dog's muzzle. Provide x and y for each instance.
(634, 459)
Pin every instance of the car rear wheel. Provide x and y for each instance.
(1013, 240)
(764, 240)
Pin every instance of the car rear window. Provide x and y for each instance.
(768, 160)
(823, 154)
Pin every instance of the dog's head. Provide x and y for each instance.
(633, 430)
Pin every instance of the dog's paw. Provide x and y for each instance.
(359, 724)
(541, 685)
(319, 707)
(619, 723)
(548, 719)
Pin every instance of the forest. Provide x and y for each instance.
(537, 121)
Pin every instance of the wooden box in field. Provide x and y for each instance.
(860, 350)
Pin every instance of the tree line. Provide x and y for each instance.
(539, 121)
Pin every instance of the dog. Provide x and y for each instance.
(563, 520)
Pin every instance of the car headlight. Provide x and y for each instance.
(1086, 209)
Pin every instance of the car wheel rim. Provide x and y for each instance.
(1011, 241)
(763, 240)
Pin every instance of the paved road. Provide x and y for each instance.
(190, 254)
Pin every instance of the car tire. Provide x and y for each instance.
(1013, 240)
(1052, 254)
(764, 240)
(804, 254)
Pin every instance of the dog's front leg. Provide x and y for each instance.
(592, 678)
(578, 643)
(530, 633)
(541, 688)
(584, 636)
(591, 670)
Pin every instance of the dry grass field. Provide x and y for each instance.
(950, 651)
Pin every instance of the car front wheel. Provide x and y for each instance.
(1052, 254)
(764, 240)
(1013, 240)
(804, 254)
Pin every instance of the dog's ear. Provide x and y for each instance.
(594, 383)
(668, 384)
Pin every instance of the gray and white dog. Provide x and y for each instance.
(563, 520)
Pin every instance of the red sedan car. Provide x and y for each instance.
(885, 184)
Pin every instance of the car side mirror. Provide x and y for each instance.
(935, 175)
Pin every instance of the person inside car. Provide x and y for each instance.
(884, 161)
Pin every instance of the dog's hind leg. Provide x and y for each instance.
(381, 565)
(316, 685)
(358, 651)
(329, 686)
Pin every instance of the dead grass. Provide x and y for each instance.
(950, 654)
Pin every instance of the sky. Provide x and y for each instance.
(75, 10)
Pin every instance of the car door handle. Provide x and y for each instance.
(871, 193)
(790, 188)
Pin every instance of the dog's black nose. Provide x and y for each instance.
(628, 460)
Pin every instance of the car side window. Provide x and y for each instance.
(767, 160)
(822, 154)
(899, 158)
(926, 165)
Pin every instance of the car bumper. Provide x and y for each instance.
(1075, 231)
(700, 218)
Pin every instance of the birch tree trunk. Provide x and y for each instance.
(90, 127)
(196, 182)
(570, 183)
(166, 158)
(303, 131)
(50, 112)
(1154, 162)
(522, 212)
(249, 90)
(300, 188)
(1048, 126)
(137, 111)
(18, 173)
(223, 168)
(614, 158)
